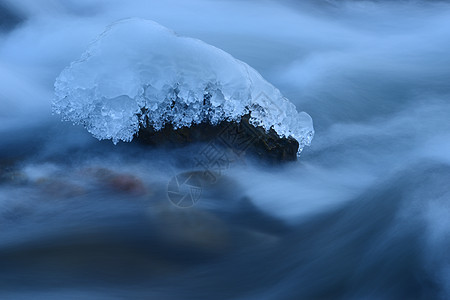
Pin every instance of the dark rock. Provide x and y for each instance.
(118, 182)
(239, 137)
(127, 183)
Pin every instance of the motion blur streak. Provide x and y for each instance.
(364, 213)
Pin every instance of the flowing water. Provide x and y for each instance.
(363, 214)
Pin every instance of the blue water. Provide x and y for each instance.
(363, 214)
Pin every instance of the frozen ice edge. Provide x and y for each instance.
(139, 73)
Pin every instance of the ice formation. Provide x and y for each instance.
(139, 73)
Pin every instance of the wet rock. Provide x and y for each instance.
(192, 229)
(119, 182)
(127, 183)
(238, 137)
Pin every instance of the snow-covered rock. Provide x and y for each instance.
(138, 73)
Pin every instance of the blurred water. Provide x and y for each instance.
(363, 214)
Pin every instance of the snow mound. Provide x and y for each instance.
(138, 73)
